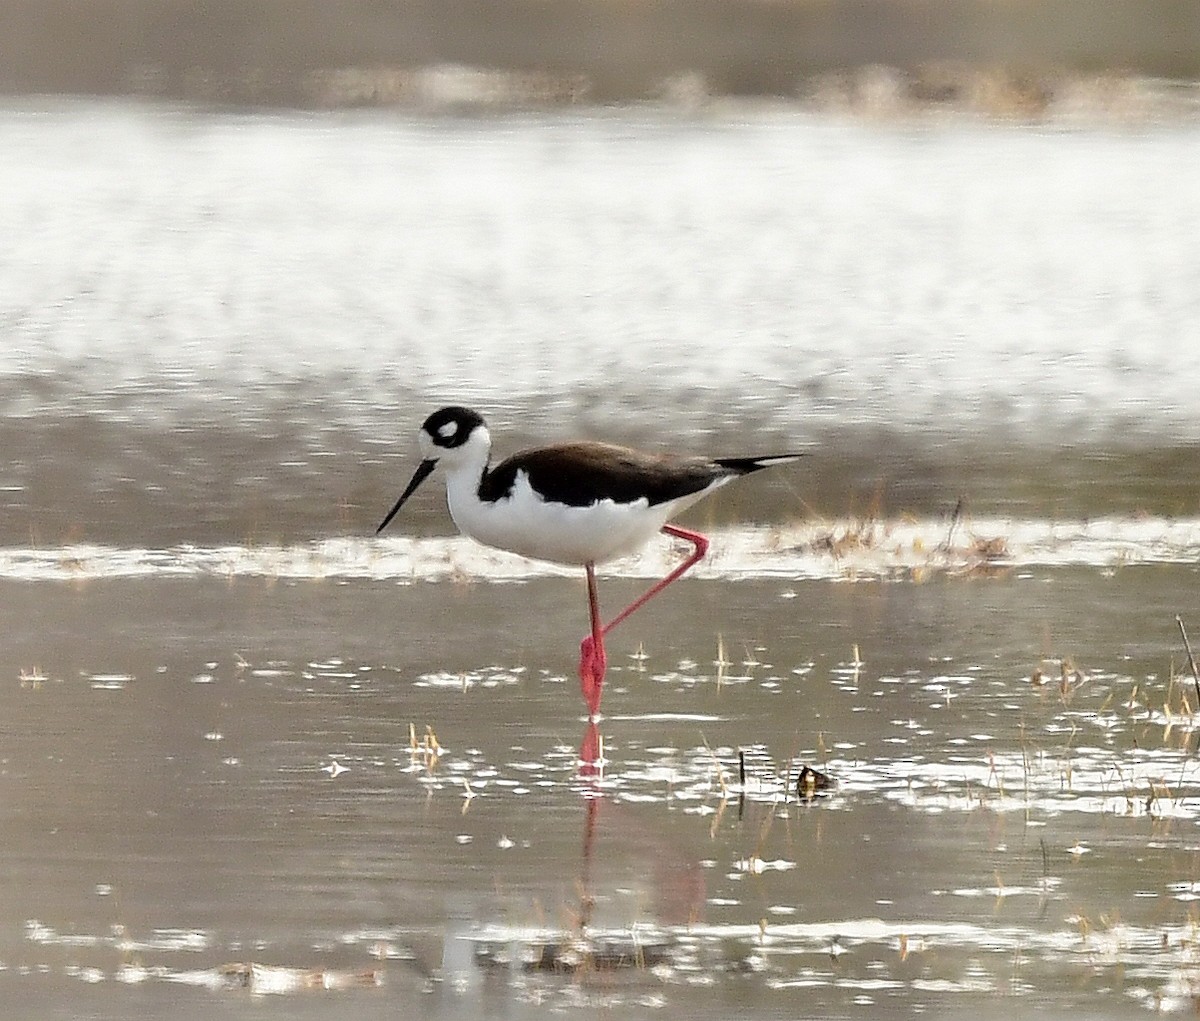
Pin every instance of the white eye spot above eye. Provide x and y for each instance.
(447, 430)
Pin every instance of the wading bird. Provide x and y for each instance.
(580, 504)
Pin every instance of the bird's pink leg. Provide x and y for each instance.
(700, 548)
(592, 661)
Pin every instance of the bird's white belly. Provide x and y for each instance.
(524, 523)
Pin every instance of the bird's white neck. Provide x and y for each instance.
(464, 467)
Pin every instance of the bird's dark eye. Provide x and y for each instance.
(448, 434)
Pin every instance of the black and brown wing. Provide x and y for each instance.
(581, 474)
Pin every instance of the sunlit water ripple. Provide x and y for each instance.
(221, 332)
(833, 550)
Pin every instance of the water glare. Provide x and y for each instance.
(918, 736)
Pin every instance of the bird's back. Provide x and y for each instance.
(582, 474)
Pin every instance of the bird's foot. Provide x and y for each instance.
(589, 751)
(592, 665)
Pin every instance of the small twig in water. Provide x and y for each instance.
(741, 782)
(718, 767)
(954, 520)
(1191, 659)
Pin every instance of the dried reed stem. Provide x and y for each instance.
(1191, 659)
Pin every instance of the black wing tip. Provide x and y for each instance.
(746, 465)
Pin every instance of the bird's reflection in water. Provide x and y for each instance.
(613, 926)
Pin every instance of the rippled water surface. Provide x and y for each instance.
(254, 759)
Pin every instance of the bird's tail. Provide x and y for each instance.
(746, 465)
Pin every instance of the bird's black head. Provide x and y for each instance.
(451, 427)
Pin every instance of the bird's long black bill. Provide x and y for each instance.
(419, 476)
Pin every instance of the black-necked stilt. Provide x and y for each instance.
(572, 503)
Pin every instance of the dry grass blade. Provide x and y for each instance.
(1191, 659)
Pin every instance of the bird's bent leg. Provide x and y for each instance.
(592, 660)
(700, 548)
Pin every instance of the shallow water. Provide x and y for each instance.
(221, 771)
(226, 328)
(255, 759)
